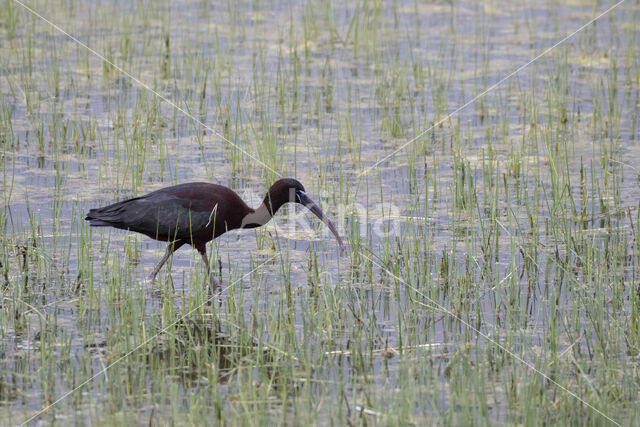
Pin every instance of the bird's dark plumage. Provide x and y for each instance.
(196, 213)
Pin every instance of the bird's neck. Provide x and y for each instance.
(270, 205)
(257, 217)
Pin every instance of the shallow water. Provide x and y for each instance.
(503, 237)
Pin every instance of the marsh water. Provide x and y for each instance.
(481, 159)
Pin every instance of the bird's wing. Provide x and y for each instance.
(155, 216)
(188, 211)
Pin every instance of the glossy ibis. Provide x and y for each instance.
(198, 212)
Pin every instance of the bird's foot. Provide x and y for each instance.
(215, 285)
(153, 278)
(215, 291)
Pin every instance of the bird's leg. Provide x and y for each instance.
(203, 252)
(173, 246)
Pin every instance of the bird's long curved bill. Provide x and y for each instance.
(309, 204)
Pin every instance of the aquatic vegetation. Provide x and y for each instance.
(480, 158)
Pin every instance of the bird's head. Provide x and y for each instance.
(286, 190)
(289, 190)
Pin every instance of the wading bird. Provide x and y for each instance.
(198, 212)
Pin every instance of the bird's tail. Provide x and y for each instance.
(107, 216)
